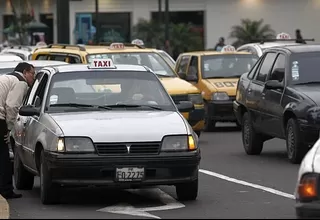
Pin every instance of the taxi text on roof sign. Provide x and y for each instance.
(102, 64)
(228, 48)
(117, 46)
(283, 36)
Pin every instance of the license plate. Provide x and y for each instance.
(128, 174)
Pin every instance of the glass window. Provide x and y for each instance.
(150, 59)
(304, 68)
(119, 87)
(227, 65)
(279, 64)
(266, 67)
(183, 64)
(167, 58)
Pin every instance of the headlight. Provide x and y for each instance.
(220, 96)
(178, 143)
(196, 99)
(75, 145)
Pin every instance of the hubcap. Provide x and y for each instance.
(290, 141)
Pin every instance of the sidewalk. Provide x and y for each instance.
(4, 208)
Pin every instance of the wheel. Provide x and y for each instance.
(296, 149)
(198, 133)
(209, 125)
(252, 142)
(23, 179)
(187, 191)
(49, 191)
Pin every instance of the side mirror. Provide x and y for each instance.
(182, 75)
(278, 74)
(273, 84)
(192, 78)
(185, 106)
(29, 110)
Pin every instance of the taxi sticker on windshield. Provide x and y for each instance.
(295, 70)
(53, 99)
(206, 67)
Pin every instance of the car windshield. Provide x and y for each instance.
(150, 59)
(107, 90)
(168, 58)
(304, 68)
(227, 65)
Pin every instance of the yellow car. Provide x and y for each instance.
(216, 75)
(124, 53)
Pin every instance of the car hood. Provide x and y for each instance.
(312, 91)
(121, 126)
(177, 86)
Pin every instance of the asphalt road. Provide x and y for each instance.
(232, 185)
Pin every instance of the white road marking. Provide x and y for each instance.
(127, 209)
(241, 182)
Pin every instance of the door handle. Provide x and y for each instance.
(249, 90)
(263, 95)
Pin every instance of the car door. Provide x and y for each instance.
(22, 124)
(193, 71)
(255, 94)
(272, 114)
(32, 124)
(182, 64)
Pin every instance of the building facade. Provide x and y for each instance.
(117, 17)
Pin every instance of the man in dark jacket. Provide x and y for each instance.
(13, 89)
(220, 44)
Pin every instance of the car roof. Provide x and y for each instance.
(91, 49)
(204, 53)
(85, 68)
(267, 45)
(301, 48)
(9, 57)
(35, 63)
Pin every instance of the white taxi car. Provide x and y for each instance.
(307, 191)
(131, 135)
(282, 39)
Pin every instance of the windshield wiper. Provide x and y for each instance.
(77, 105)
(132, 106)
(305, 83)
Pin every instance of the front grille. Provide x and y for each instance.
(122, 148)
(178, 98)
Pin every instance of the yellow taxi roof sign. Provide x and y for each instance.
(137, 42)
(228, 48)
(283, 36)
(116, 46)
(102, 64)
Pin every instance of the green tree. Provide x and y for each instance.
(250, 31)
(182, 37)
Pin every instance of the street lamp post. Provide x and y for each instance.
(97, 21)
(160, 11)
(166, 20)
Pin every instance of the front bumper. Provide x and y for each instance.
(310, 132)
(195, 118)
(221, 111)
(308, 210)
(161, 169)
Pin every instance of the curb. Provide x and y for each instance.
(4, 208)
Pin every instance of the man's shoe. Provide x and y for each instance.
(12, 195)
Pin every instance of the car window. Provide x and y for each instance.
(183, 64)
(58, 57)
(38, 97)
(150, 59)
(168, 58)
(42, 57)
(124, 87)
(279, 64)
(266, 67)
(33, 89)
(227, 65)
(194, 66)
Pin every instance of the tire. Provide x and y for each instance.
(198, 133)
(23, 179)
(49, 191)
(209, 125)
(296, 149)
(252, 142)
(187, 191)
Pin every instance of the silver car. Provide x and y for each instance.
(103, 125)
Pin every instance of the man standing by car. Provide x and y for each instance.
(13, 89)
